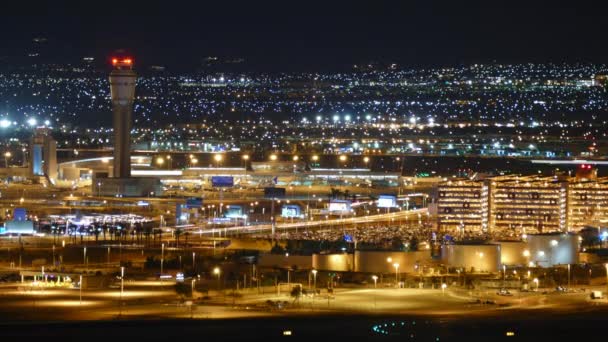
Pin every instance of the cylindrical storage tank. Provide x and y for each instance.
(378, 261)
(473, 258)
(302, 262)
(333, 262)
(551, 249)
(513, 252)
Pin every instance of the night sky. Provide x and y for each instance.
(311, 35)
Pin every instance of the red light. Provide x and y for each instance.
(121, 62)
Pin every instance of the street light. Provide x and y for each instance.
(218, 159)
(396, 266)
(122, 282)
(314, 275)
(273, 157)
(443, 287)
(80, 289)
(535, 281)
(315, 158)
(245, 157)
(295, 158)
(160, 161)
(162, 259)
(7, 155)
(216, 271)
(193, 281)
(375, 279)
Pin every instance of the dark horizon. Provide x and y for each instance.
(310, 35)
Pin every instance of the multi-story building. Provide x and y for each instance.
(527, 204)
(522, 204)
(460, 205)
(587, 203)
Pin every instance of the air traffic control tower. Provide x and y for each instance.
(119, 182)
(122, 88)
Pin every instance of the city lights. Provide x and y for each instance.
(329, 172)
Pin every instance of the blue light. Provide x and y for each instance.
(348, 238)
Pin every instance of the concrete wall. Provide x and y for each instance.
(282, 261)
(14, 171)
(512, 252)
(333, 262)
(553, 249)
(376, 261)
(476, 258)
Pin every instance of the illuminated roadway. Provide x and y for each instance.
(321, 223)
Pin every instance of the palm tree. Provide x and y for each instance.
(186, 234)
(177, 233)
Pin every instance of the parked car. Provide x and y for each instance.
(504, 292)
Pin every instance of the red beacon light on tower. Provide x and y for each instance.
(122, 63)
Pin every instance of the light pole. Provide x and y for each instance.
(396, 266)
(122, 281)
(7, 155)
(375, 279)
(84, 257)
(568, 276)
(443, 287)
(217, 271)
(606, 265)
(504, 275)
(193, 260)
(192, 284)
(122, 276)
(343, 158)
(162, 259)
(314, 275)
(80, 289)
(245, 158)
(218, 158)
(535, 280)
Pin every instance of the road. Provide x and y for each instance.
(153, 300)
(336, 223)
